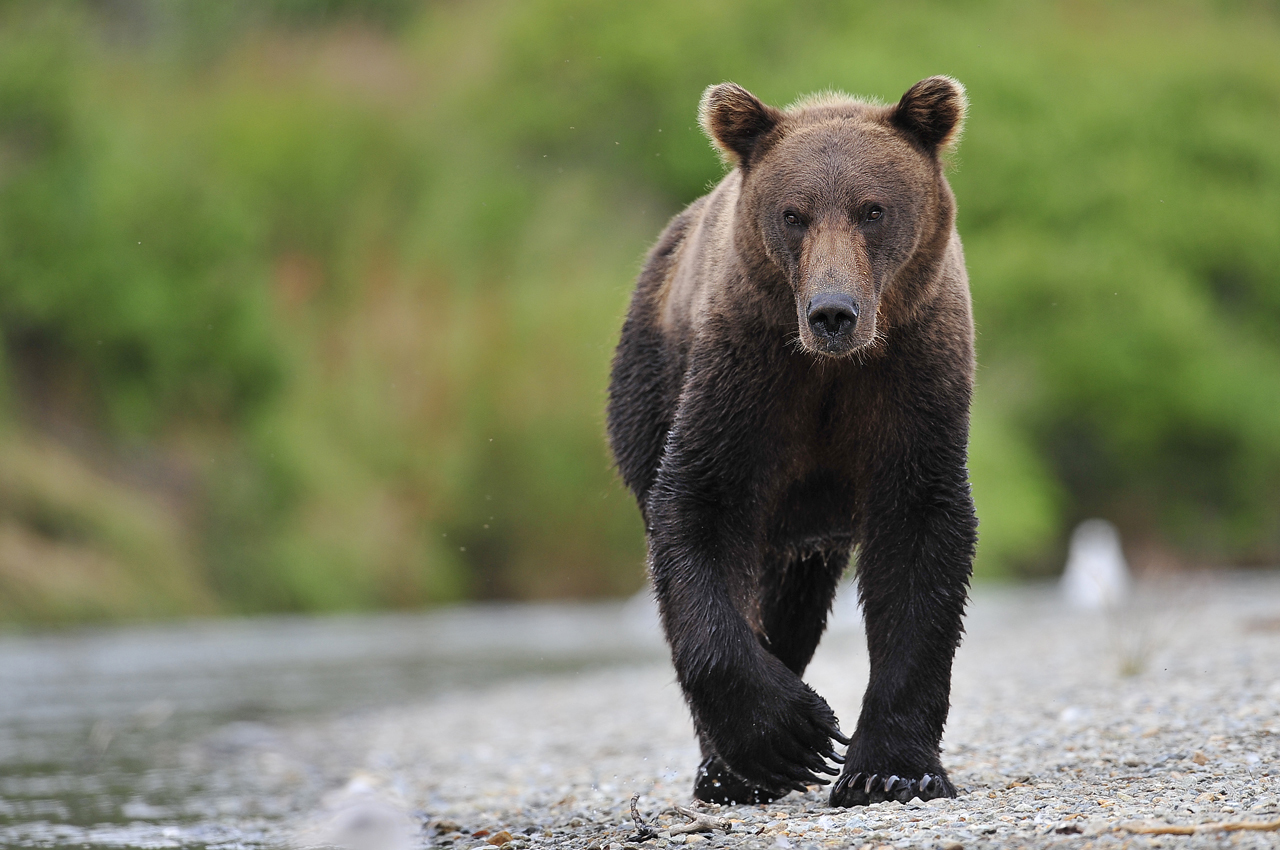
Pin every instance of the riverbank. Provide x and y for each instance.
(1067, 730)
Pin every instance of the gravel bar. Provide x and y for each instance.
(1067, 729)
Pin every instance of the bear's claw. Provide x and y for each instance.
(861, 789)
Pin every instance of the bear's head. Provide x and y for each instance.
(844, 200)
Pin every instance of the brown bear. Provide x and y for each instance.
(792, 385)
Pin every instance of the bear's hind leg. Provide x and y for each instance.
(716, 783)
(795, 601)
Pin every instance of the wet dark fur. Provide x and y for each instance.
(761, 455)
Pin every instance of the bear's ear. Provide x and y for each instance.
(735, 120)
(931, 113)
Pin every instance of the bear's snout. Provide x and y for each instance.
(832, 316)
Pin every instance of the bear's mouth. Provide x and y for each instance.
(833, 348)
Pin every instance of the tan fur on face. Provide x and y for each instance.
(835, 260)
(772, 150)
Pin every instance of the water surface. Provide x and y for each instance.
(126, 737)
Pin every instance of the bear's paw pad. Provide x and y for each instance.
(716, 783)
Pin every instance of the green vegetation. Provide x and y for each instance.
(309, 305)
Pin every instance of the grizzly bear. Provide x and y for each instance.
(791, 386)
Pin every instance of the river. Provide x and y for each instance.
(122, 737)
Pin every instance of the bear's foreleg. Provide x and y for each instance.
(766, 724)
(913, 572)
(706, 551)
(795, 595)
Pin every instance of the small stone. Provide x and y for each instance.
(498, 839)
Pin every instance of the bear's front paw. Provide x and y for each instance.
(861, 788)
(782, 742)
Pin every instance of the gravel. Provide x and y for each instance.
(1067, 730)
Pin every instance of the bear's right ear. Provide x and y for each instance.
(735, 120)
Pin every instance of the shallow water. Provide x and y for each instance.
(114, 737)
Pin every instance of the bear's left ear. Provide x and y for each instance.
(735, 120)
(931, 113)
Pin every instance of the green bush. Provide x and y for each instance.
(351, 273)
(123, 268)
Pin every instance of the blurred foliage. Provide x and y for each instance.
(76, 546)
(309, 304)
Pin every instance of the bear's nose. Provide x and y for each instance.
(832, 314)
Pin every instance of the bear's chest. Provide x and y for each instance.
(822, 444)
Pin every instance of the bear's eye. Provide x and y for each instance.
(791, 218)
(875, 213)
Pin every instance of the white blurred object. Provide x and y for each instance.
(1097, 577)
(846, 611)
(367, 814)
